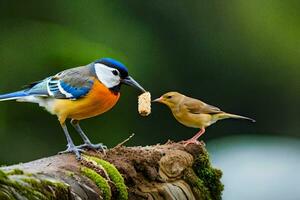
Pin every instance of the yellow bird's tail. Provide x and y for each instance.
(224, 115)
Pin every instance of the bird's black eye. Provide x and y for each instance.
(115, 72)
(169, 97)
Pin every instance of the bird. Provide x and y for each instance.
(194, 113)
(78, 93)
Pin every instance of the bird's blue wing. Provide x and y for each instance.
(69, 84)
(69, 88)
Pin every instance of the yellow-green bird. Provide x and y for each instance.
(194, 113)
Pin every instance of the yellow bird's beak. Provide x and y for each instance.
(158, 100)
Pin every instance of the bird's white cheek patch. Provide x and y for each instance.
(106, 76)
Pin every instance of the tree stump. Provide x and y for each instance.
(170, 171)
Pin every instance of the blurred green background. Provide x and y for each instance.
(242, 56)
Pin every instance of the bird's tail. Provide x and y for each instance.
(13, 95)
(228, 115)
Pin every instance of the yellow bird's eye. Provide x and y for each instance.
(169, 97)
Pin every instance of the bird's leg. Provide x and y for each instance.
(194, 140)
(71, 147)
(87, 142)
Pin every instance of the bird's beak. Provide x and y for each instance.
(157, 100)
(131, 82)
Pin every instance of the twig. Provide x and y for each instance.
(126, 140)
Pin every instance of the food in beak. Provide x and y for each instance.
(144, 104)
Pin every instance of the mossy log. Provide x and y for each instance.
(169, 171)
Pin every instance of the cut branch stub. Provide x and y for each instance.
(172, 165)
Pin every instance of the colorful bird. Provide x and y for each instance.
(78, 93)
(194, 113)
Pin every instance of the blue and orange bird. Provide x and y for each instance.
(78, 93)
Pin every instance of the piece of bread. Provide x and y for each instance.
(144, 104)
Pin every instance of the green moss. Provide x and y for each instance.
(60, 189)
(22, 189)
(48, 187)
(56, 184)
(114, 175)
(15, 172)
(197, 185)
(29, 187)
(210, 176)
(69, 173)
(37, 186)
(4, 190)
(5, 195)
(2, 175)
(101, 182)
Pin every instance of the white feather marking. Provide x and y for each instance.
(67, 94)
(48, 88)
(106, 76)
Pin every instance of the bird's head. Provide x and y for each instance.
(113, 74)
(171, 99)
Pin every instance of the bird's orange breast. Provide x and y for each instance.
(99, 100)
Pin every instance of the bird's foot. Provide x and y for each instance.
(91, 146)
(190, 141)
(75, 150)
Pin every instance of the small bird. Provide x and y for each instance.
(78, 93)
(194, 113)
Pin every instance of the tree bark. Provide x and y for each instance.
(169, 171)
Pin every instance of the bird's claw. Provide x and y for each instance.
(75, 150)
(191, 141)
(91, 146)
